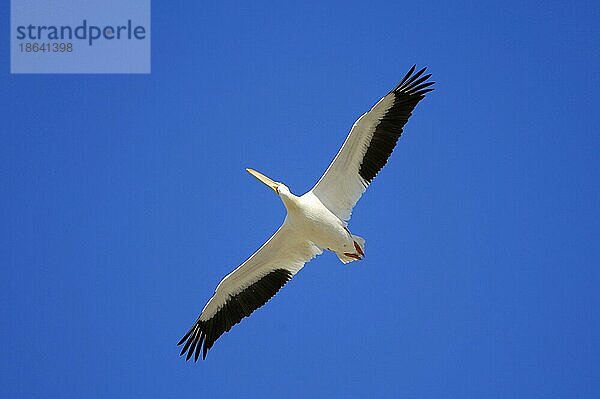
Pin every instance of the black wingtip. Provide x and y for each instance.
(414, 84)
(412, 69)
(204, 333)
(186, 346)
(190, 332)
(419, 88)
(182, 340)
(193, 340)
(197, 353)
(199, 346)
(411, 79)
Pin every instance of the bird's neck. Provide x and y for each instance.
(290, 201)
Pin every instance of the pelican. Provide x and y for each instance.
(315, 221)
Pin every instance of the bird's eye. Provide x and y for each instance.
(277, 189)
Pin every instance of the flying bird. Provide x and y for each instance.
(315, 221)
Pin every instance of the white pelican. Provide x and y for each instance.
(315, 221)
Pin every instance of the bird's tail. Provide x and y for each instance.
(359, 253)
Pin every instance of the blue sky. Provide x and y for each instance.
(125, 201)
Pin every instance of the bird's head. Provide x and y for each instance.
(279, 188)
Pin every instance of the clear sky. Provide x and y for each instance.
(125, 201)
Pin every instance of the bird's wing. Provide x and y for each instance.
(248, 288)
(369, 145)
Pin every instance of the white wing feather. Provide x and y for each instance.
(369, 145)
(248, 288)
(284, 250)
(341, 186)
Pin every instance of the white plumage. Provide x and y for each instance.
(315, 221)
(341, 186)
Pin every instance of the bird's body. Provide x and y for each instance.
(309, 218)
(315, 221)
